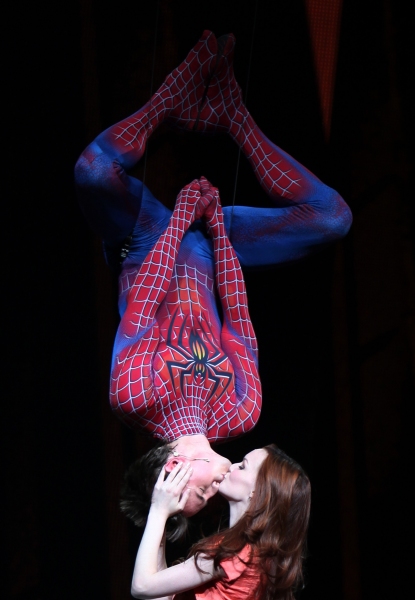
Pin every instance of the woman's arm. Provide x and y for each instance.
(161, 560)
(148, 581)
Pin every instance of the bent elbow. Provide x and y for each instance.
(137, 591)
(141, 589)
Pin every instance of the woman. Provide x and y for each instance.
(259, 556)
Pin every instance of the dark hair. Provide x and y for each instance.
(275, 527)
(137, 489)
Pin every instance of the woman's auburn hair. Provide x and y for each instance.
(275, 527)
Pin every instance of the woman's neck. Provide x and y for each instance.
(236, 511)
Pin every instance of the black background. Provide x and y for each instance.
(336, 332)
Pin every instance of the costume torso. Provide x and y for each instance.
(177, 372)
(191, 374)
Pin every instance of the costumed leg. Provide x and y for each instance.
(131, 389)
(111, 199)
(308, 213)
(240, 414)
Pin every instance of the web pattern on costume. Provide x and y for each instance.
(131, 387)
(223, 109)
(177, 378)
(273, 169)
(181, 100)
(177, 100)
(233, 406)
(237, 336)
(274, 174)
(152, 281)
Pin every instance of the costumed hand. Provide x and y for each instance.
(209, 194)
(193, 201)
(206, 188)
(213, 213)
(169, 495)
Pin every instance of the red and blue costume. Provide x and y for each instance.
(185, 354)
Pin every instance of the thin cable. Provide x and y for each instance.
(125, 247)
(151, 86)
(245, 99)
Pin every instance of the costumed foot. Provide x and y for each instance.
(178, 99)
(185, 87)
(223, 108)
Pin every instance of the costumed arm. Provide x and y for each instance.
(132, 389)
(237, 335)
(148, 581)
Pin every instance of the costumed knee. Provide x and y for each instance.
(336, 217)
(342, 217)
(93, 169)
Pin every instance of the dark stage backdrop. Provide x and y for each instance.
(329, 82)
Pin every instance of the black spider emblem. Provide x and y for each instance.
(197, 363)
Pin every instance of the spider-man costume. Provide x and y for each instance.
(181, 365)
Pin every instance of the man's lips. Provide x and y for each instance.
(225, 476)
(218, 481)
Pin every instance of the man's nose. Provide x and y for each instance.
(227, 464)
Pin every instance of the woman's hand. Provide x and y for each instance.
(169, 495)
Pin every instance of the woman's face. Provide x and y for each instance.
(239, 483)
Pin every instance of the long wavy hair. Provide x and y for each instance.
(275, 527)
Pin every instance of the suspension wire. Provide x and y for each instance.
(151, 86)
(245, 99)
(125, 247)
